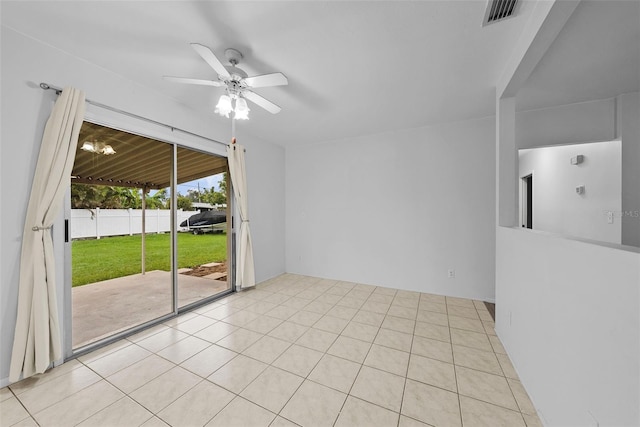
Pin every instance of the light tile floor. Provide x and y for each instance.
(296, 350)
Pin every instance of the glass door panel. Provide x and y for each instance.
(202, 226)
(120, 231)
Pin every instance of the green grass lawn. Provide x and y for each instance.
(110, 257)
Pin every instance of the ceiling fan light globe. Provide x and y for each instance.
(88, 146)
(241, 115)
(224, 106)
(241, 104)
(108, 150)
(242, 110)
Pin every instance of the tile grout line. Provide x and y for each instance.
(516, 400)
(55, 403)
(400, 350)
(406, 373)
(455, 371)
(122, 391)
(499, 376)
(275, 367)
(358, 374)
(301, 289)
(30, 415)
(156, 414)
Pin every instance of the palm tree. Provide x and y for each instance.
(89, 196)
(158, 200)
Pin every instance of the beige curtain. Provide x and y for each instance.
(37, 336)
(245, 273)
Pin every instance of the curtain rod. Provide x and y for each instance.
(58, 91)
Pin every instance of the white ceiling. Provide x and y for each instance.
(595, 56)
(355, 68)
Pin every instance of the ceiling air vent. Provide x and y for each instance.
(497, 10)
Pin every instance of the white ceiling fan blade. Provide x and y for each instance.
(211, 59)
(193, 81)
(273, 79)
(262, 102)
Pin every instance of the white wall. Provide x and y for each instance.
(557, 207)
(397, 209)
(597, 120)
(568, 313)
(566, 124)
(25, 108)
(266, 190)
(628, 125)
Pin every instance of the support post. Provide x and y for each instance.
(144, 229)
(97, 217)
(130, 212)
(174, 228)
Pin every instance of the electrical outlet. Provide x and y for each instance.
(609, 217)
(451, 274)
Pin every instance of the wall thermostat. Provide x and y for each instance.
(577, 159)
(580, 189)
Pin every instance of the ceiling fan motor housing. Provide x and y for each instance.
(233, 56)
(234, 88)
(234, 83)
(236, 73)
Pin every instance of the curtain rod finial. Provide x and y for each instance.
(47, 86)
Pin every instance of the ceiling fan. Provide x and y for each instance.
(237, 83)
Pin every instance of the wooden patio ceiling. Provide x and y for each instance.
(138, 162)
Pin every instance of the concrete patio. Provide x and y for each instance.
(104, 308)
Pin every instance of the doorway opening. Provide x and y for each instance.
(527, 201)
(131, 261)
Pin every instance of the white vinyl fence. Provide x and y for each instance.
(97, 223)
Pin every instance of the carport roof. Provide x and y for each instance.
(139, 161)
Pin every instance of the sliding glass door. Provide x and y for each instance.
(122, 229)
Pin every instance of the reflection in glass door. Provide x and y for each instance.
(202, 226)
